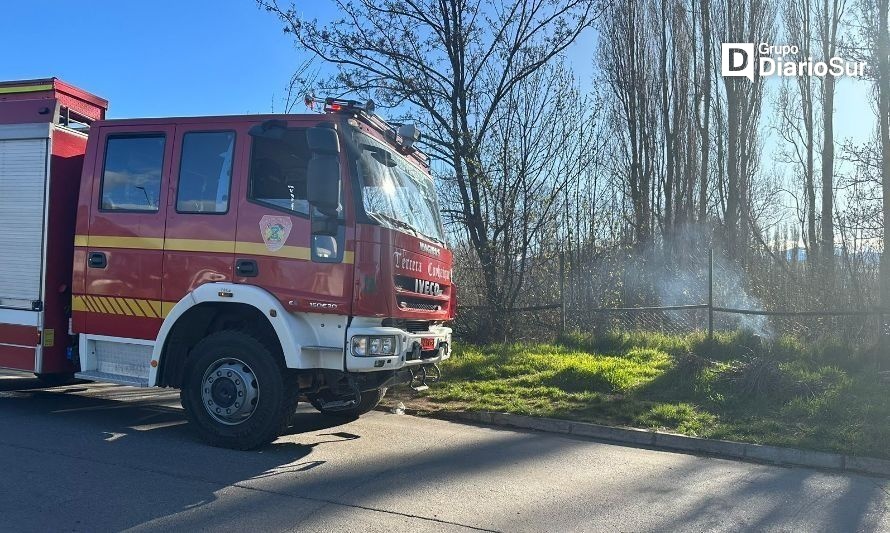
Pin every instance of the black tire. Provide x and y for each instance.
(368, 402)
(275, 395)
(56, 380)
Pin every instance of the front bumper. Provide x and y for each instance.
(406, 352)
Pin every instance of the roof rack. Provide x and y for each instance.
(393, 132)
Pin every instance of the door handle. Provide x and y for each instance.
(247, 268)
(97, 260)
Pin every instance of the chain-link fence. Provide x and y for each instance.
(704, 292)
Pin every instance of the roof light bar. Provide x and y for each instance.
(336, 105)
(402, 136)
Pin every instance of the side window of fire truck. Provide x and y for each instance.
(205, 172)
(131, 180)
(278, 171)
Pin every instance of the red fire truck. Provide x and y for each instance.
(249, 261)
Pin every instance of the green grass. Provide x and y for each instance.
(732, 387)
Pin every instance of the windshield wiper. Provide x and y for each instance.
(405, 225)
(396, 222)
(436, 239)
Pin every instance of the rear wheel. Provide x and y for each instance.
(235, 392)
(368, 401)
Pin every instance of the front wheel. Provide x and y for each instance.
(235, 393)
(368, 402)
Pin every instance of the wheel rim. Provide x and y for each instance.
(230, 391)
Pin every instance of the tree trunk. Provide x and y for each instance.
(706, 109)
(829, 34)
(883, 80)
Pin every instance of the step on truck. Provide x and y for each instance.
(249, 261)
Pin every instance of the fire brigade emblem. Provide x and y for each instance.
(275, 230)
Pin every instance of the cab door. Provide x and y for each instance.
(201, 220)
(276, 249)
(125, 244)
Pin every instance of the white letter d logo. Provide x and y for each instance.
(737, 59)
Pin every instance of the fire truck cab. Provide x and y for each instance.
(249, 261)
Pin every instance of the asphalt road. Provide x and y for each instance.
(98, 457)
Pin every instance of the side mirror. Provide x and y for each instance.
(323, 141)
(323, 178)
(322, 224)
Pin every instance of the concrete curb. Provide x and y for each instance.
(668, 441)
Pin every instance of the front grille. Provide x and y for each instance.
(416, 326)
(404, 283)
(422, 305)
(411, 326)
(408, 284)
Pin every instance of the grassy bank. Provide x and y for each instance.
(734, 387)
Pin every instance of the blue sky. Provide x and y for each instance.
(153, 58)
(165, 58)
(208, 57)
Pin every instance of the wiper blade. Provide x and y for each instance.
(396, 222)
(405, 225)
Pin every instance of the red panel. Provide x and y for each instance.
(381, 254)
(131, 272)
(297, 283)
(17, 357)
(80, 102)
(186, 270)
(66, 166)
(133, 327)
(21, 335)
(27, 111)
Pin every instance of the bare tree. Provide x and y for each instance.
(754, 22)
(798, 114)
(830, 15)
(454, 65)
(703, 109)
(882, 55)
(873, 35)
(627, 58)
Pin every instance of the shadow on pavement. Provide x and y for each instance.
(110, 458)
(119, 456)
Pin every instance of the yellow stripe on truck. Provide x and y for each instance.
(258, 248)
(301, 253)
(134, 307)
(146, 308)
(25, 89)
(196, 245)
(144, 243)
(78, 304)
(110, 305)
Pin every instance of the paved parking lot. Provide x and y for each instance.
(98, 457)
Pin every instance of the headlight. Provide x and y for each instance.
(377, 345)
(359, 346)
(387, 345)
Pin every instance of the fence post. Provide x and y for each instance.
(710, 293)
(562, 292)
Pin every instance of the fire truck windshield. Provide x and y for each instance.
(395, 192)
